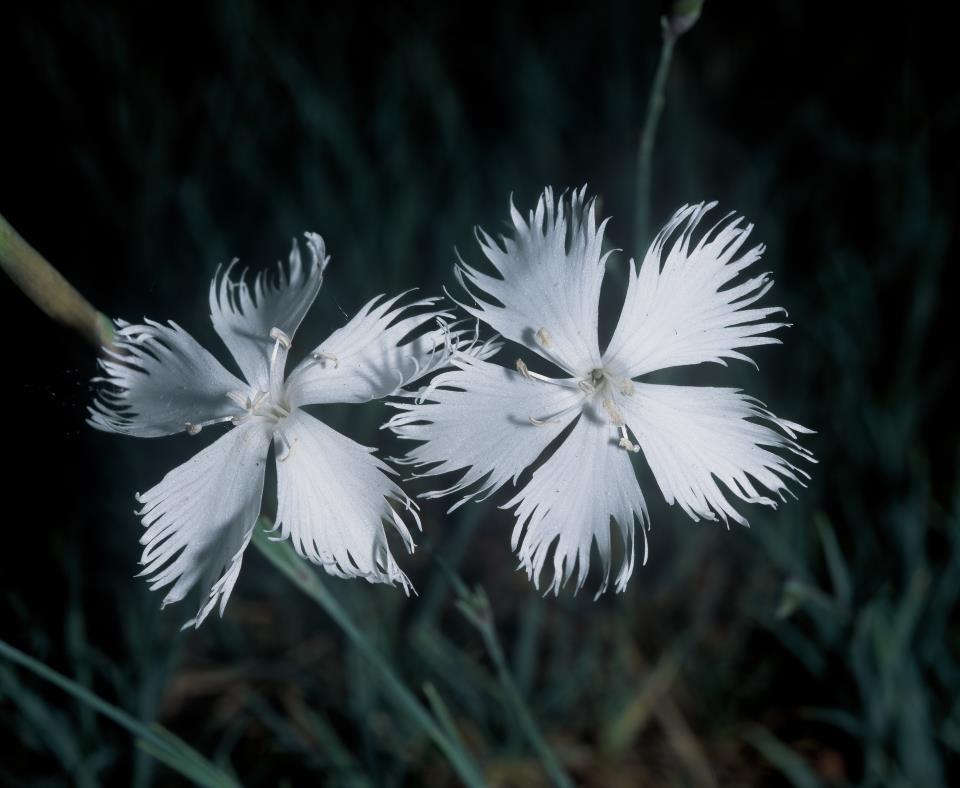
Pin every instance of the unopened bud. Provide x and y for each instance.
(681, 16)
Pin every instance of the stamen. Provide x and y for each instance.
(617, 418)
(525, 371)
(626, 443)
(194, 429)
(613, 412)
(544, 338)
(318, 355)
(586, 388)
(282, 340)
(542, 422)
(278, 361)
(281, 337)
(257, 400)
(239, 398)
(626, 388)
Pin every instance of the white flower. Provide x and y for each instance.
(333, 495)
(685, 306)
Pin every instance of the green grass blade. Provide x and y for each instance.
(283, 556)
(786, 760)
(159, 742)
(476, 608)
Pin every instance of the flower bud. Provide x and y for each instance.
(683, 15)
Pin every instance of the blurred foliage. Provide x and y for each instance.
(142, 146)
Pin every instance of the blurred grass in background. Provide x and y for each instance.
(142, 147)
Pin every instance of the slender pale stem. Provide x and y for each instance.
(47, 288)
(282, 556)
(648, 136)
(476, 608)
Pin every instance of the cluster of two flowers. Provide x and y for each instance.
(686, 304)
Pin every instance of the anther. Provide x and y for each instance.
(319, 355)
(525, 371)
(626, 443)
(542, 422)
(281, 337)
(239, 398)
(194, 429)
(626, 388)
(544, 338)
(586, 387)
(276, 360)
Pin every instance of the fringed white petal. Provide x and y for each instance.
(334, 498)
(695, 437)
(683, 309)
(551, 270)
(486, 420)
(365, 360)
(568, 503)
(244, 314)
(158, 380)
(199, 519)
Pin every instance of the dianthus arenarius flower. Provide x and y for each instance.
(333, 495)
(685, 306)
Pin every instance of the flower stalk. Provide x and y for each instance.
(648, 136)
(683, 15)
(284, 558)
(475, 607)
(48, 289)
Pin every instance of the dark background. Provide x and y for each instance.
(140, 147)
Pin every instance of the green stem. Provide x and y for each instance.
(47, 288)
(158, 741)
(648, 136)
(476, 607)
(282, 556)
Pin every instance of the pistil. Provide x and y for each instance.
(278, 362)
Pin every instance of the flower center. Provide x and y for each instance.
(599, 388)
(271, 406)
(259, 405)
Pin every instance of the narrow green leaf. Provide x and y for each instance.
(159, 742)
(836, 564)
(282, 555)
(786, 760)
